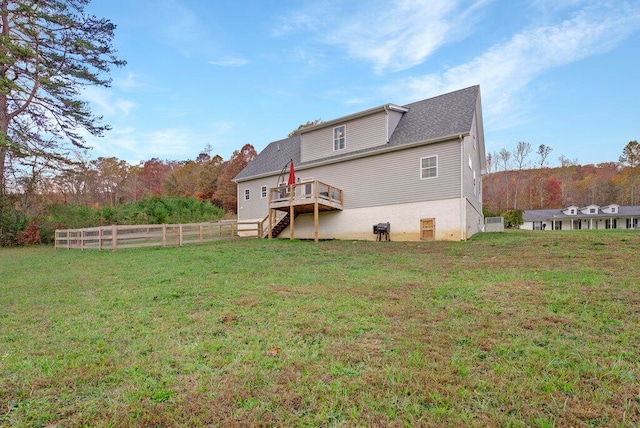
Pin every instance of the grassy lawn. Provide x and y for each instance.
(514, 329)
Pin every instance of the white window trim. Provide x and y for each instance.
(344, 138)
(421, 168)
(263, 192)
(247, 194)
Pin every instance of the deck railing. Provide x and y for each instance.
(306, 192)
(154, 235)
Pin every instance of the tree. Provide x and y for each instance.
(152, 175)
(505, 158)
(304, 125)
(631, 158)
(513, 218)
(50, 50)
(226, 189)
(520, 154)
(543, 152)
(631, 154)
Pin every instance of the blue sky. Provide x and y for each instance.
(564, 73)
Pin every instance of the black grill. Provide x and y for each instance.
(382, 229)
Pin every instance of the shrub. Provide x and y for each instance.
(30, 235)
(513, 218)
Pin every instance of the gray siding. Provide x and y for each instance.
(475, 153)
(361, 133)
(256, 207)
(393, 119)
(384, 179)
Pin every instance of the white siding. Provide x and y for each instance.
(404, 219)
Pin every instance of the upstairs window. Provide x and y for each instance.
(592, 210)
(263, 192)
(246, 194)
(429, 167)
(339, 137)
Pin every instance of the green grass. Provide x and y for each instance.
(516, 329)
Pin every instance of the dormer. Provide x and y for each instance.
(611, 209)
(363, 130)
(590, 210)
(572, 210)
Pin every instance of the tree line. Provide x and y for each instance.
(90, 192)
(521, 179)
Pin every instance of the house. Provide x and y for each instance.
(575, 218)
(417, 166)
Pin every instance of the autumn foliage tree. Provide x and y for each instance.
(568, 184)
(226, 190)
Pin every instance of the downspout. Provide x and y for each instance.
(463, 217)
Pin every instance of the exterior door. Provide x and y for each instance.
(427, 229)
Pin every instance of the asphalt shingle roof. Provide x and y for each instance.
(426, 120)
(544, 215)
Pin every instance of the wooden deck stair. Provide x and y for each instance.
(280, 226)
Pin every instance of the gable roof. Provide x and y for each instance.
(425, 121)
(558, 214)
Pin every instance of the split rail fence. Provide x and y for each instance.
(116, 237)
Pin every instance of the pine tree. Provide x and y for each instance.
(49, 51)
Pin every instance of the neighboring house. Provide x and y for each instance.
(590, 217)
(418, 167)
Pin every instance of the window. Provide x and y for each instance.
(573, 211)
(592, 210)
(429, 167)
(475, 187)
(263, 192)
(559, 225)
(339, 137)
(246, 194)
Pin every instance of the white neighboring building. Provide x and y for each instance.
(590, 217)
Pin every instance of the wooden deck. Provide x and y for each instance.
(303, 198)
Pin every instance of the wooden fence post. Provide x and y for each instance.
(114, 238)
(164, 235)
(180, 235)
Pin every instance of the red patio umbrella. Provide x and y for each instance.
(292, 175)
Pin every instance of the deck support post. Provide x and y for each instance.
(315, 212)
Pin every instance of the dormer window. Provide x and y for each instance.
(592, 210)
(339, 137)
(613, 209)
(573, 211)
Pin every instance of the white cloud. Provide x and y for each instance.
(102, 100)
(391, 35)
(230, 62)
(506, 70)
